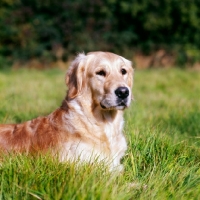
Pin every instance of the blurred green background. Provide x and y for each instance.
(148, 32)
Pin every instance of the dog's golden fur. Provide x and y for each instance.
(89, 123)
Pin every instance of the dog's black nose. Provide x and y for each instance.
(122, 92)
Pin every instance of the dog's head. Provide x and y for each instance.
(104, 77)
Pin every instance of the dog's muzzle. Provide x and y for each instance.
(122, 94)
(121, 101)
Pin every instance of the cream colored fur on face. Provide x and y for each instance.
(88, 126)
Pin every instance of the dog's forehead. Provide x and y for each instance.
(106, 59)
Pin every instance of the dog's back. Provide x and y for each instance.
(31, 136)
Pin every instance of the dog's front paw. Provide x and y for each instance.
(136, 186)
(119, 169)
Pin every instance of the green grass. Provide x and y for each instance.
(162, 129)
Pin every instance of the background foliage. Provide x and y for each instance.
(52, 30)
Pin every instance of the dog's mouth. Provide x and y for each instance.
(119, 106)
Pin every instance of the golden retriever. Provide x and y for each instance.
(88, 125)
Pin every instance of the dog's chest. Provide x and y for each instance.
(104, 141)
(116, 139)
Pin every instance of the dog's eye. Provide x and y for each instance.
(123, 71)
(101, 73)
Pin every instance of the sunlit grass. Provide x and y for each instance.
(162, 129)
(27, 94)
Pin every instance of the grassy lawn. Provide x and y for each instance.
(162, 129)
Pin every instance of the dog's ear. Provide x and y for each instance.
(74, 76)
(128, 63)
(130, 77)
